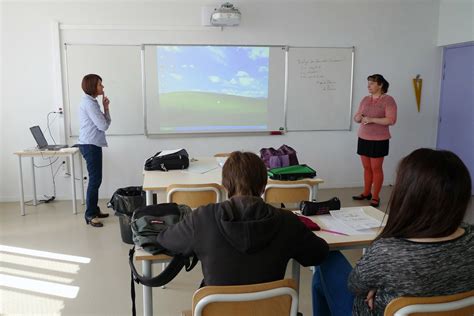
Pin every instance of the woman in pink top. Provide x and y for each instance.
(375, 114)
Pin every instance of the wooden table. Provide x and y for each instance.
(336, 242)
(65, 152)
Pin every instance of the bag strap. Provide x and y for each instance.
(132, 294)
(189, 266)
(132, 282)
(173, 268)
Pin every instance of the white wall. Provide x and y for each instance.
(456, 22)
(395, 38)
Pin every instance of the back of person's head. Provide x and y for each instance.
(89, 84)
(430, 195)
(380, 81)
(244, 173)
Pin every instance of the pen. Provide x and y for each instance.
(333, 232)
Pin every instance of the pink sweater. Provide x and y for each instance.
(384, 106)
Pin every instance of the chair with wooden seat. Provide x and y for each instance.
(461, 304)
(278, 298)
(284, 192)
(194, 195)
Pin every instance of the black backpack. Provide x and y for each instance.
(173, 161)
(146, 223)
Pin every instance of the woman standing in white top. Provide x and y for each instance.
(93, 124)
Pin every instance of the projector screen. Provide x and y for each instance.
(214, 89)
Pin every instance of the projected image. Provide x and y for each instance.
(212, 88)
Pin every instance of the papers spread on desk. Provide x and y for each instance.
(201, 167)
(330, 223)
(350, 221)
(355, 218)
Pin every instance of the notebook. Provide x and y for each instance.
(41, 140)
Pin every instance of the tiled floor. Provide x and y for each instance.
(97, 280)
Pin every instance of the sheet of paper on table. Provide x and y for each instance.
(331, 223)
(201, 167)
(355, 218)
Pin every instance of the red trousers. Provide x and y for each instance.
(373, 175)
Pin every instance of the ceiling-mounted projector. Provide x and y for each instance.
(226, 15)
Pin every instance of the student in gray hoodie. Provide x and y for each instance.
(244, 240)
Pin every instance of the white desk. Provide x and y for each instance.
(154, 181)
(340, 242)
(336, 242)
(65, 152)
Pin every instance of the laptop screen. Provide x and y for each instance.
(39, 137)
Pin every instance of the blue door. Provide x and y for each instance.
(456, 113)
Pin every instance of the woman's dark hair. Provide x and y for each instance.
(244, 173)
(380, 80)
(430, 195)
(89, 84)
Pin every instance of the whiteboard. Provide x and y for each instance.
(319, 95)
(121, 72)
(311, 88)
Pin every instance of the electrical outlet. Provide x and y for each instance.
(65, 168)
(85, 181)
(60, 110)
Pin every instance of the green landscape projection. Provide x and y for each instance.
(205, 110)
(212, 88)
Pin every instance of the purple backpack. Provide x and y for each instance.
(282, 157)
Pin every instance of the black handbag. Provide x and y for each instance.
(309, 208)
(173, 161)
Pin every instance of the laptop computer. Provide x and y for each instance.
(41, 140)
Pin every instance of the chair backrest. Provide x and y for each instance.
(278, 298)
(194, 195)
(461, 304)
(288, 191)
(221, 158)
(222, 155)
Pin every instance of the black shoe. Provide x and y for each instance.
(102, 215)
(375, 202)
(94, 222)
(362, 197)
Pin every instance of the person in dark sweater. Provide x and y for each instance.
(424, 249)
(244, 240)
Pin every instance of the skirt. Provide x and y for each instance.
(372, 148)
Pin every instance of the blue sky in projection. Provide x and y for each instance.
(232, 70)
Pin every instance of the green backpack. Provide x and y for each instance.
(295, 172)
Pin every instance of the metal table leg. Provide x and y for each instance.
(81, 175)
(295, 271)
(315, 192)
(22, 193)
(73, 184)
(35, 202)
(149, 197)
(147, 291)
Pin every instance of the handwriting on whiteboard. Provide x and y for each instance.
(315, 70)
